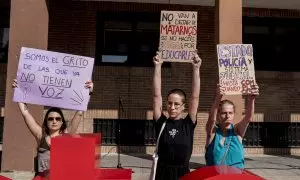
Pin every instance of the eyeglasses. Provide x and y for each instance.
(56, 118)
(176, 105)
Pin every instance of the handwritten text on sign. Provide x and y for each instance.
(236, 68)
(178, 35)
(53, 79)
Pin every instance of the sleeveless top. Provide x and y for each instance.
(215, 150)
(43, 154)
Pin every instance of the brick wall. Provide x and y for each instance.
(72, 29)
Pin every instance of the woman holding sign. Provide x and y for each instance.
(54, 125)
(176, 134)
(224, 139)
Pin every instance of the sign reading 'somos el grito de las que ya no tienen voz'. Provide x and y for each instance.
(53, 79)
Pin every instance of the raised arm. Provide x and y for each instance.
(32, 125)
(243, 124)
(194, 99)
(78, 116)
(212, 118)
(157, 98)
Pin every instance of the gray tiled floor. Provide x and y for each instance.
(269, 167)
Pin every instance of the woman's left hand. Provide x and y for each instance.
(89, 84)
(255, 90)
(196, 60)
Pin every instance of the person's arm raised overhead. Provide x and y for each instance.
(212, 118)
(31, 123)
(156, 86)
(243, 124)
(194, 99)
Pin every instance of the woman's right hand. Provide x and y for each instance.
(157, 59)
(15, 83)
(220, 92)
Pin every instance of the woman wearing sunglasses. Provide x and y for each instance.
(54, 125)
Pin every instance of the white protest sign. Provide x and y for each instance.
(236, 68)
(53, 79)
(178, 35)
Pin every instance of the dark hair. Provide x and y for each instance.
(180, 92)
(225, 101)
(57, 110)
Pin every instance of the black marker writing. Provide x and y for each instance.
(27, 77)
(57, 82)
(51, 92)
(75, 62)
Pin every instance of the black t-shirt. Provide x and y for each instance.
(176, 141)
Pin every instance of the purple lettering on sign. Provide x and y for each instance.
(177, 54)
(234, 62)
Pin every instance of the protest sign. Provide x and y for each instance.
(178, 35)
(236, 68)
(53, 79)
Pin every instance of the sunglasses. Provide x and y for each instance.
(56, 118)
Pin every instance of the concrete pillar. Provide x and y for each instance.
(28, 28)
(229, 31)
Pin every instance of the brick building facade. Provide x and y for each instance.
(74, 28)
(75, 31)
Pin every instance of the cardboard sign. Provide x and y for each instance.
(178, 35)
(236, 68)
(53, 79)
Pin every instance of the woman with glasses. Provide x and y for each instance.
(54, 125)
(176, 141)
(224, 137)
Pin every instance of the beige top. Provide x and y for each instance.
(43, 155)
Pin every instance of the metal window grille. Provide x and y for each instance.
(132, 132)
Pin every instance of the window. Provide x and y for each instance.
(3, 45)
(254, 135)
(117, 35)
(275, 42)
(4, 30)
(272, 135)
(143, 131)
(127, 39)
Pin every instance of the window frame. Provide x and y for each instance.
(273, 64)
(134, 18)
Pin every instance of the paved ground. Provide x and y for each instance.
(269, 167)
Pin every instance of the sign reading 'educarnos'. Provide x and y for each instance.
(236, 68)
(53, 79)
(178, 35)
